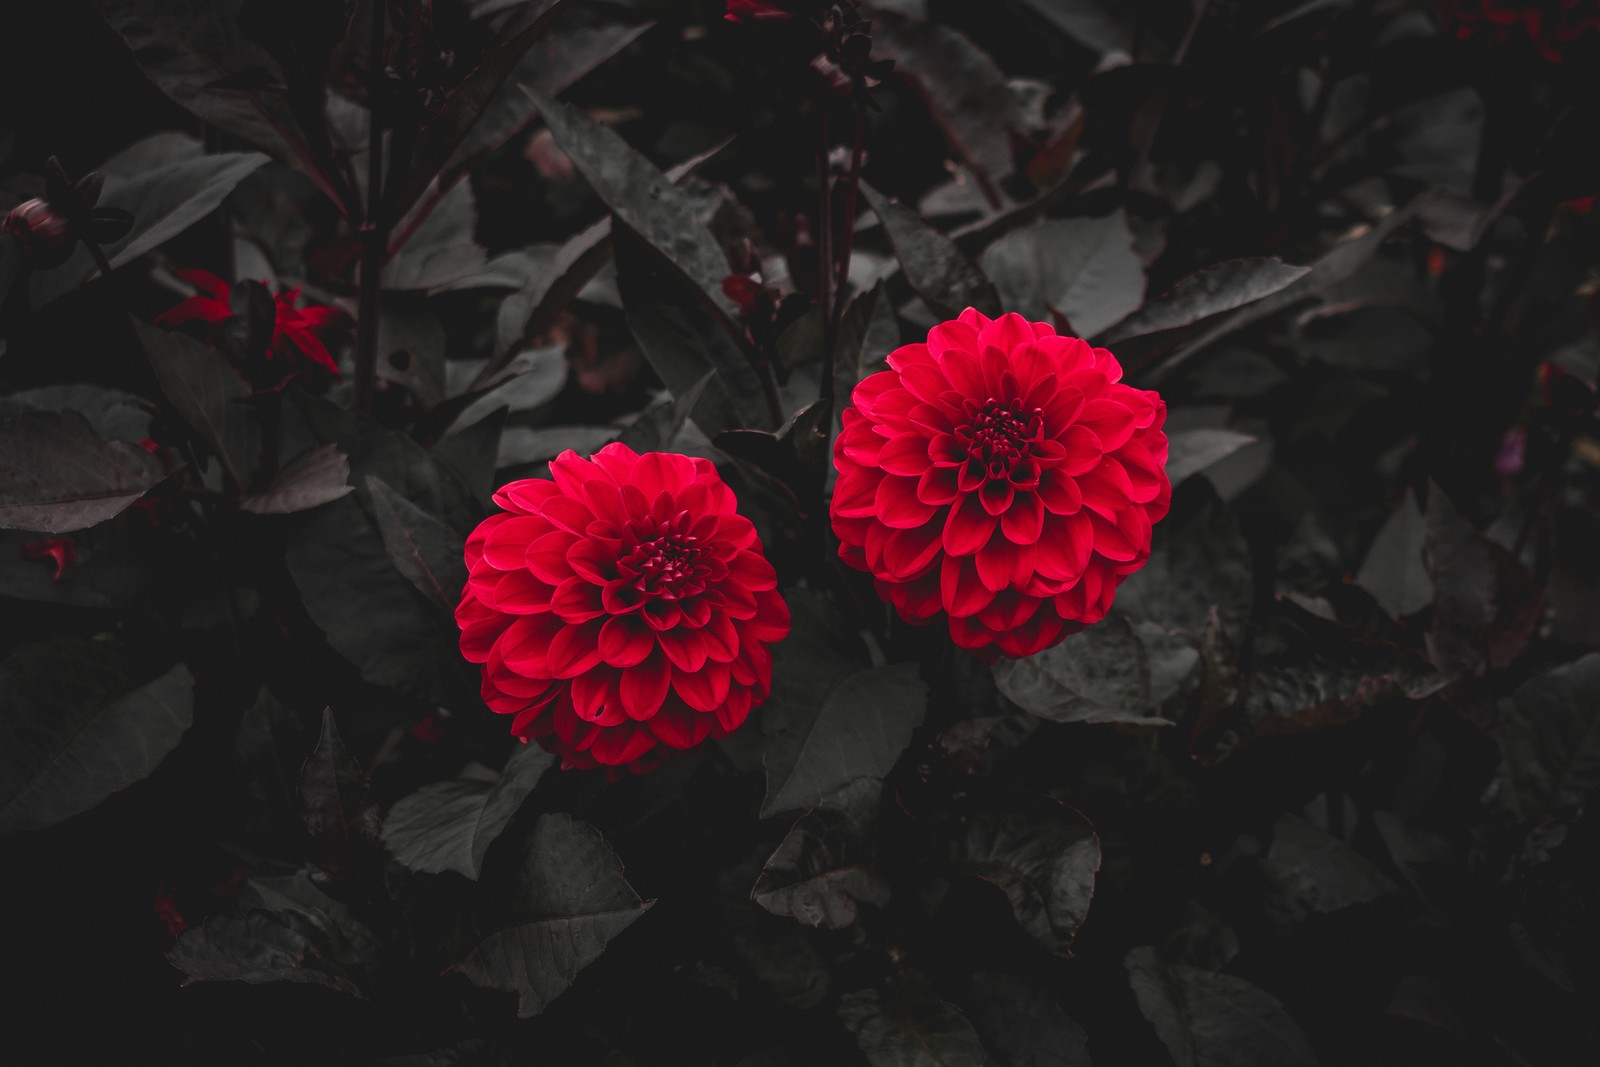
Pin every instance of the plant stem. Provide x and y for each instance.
(374, 240)
(99, 257)
(842, 268)
(824, 229)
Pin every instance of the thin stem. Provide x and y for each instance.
(824, 226)
(374, 241)
(842, 269)
(99, 258)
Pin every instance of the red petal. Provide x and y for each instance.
(907, 553)
(907, 454)
(898, 506)
(968, 526)
(644, 686)
(1024, 519)
(1112, 422)
(574, 649)
(962, 591)
(625, 641)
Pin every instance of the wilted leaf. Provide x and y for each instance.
(310, 480)
(423, 548)
(205, 390)
(1550, 741)
(936, 269)
(1228, 285)
(571, 902)
(1021, 1026)
(909, 1026)
(1044, 857)
(824, 865)
(57, 475)
(74, 729)
(1085, 268)
(1214, 1020)
(835, 725)
(1393, 571)
(1312, 871)
(449, 826)
(1099, 675)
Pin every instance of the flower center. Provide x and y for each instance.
(998, 434)
(663, 563)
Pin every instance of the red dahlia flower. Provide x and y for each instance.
(1001, 476)
(1550, 25)
(295, 330)
(621, 605)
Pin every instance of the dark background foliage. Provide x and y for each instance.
(1316, 792)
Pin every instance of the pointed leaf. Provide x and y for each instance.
(424, 549)
(824, 865)
(74, 729)
(334, 795)
(56, 474)
(1550, 741)
(449, 826)
(1214, 1020)
(936, 269)
(205, 390)
(1085, 268)
(1190, 452)
(1393, 571)
(310, 480)
(572, 901)
(1228, 285)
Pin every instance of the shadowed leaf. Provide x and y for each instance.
(1044, 857)
(1214, 1020)
(908, 1026)
(1228, 285)
(56, 474)
(1099, 675)
(1084, 268)
(824, 865)
(205, 390)
(310, 480)
(936, 269)
(424, 549)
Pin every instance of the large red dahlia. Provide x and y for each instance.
(621, 605)
(1000, 475)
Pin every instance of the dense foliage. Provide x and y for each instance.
(291, 289)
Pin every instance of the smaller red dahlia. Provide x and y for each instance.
(296, 342)
(1001, 478)
(620, 606)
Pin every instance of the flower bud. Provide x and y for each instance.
(45, 234)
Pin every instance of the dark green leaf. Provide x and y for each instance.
(1393, 571)
(424, 549)
(167, 198)
(936, 269)
(1044, 857)
(834, 725)
(571, 902)
(1214, 1020)
(824, 865)
(643, 198)
(56, 474)
(1099, 675)
(75, 728)
(1021, 1026)
(449, 826)
(1312, 871)
(1084, 268)
(205, 390)
(1550, 741)
(1191, 452)
(335, 800)
(909, 1026)
(657, 425)
(310, 480)
(1228, 285)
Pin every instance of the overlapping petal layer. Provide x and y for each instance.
(620, 606)
(1002, 478)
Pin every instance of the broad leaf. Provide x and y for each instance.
(1099, 675)
(532, 379)
(1228, 285)
(56, 474)
(835, 725)
(1393, 571)
(319, 476)
(908, 1026)
(449, 826)
(1190, 452)
(1084, 268)
(115, 415)
(206, 392)
(424, 549)
(1214, 1020)
(1312, 871)
(167, 198)
(1044, 857)
(1021, 1026)
(643, 198)
(658, 425)
(1198, 560)
(472, 453)
(74, 729)
(1550, 741)
(934, 267)
(441, 249)
(823, 868)
(571, 901)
